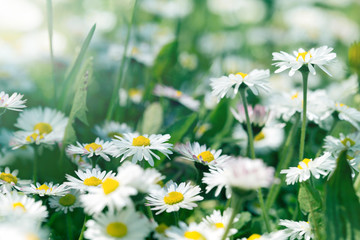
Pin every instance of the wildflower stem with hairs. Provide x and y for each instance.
(119, 80)
(248, 123)
(305, 74)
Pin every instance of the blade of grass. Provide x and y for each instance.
(49, 11)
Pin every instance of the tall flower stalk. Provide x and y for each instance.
(305, 74)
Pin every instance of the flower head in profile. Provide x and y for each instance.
(48, 189)
(320, 166)
(142, 147)
(297, 230)
(13, 102)
(348, 114)
(173, 197)
(200, 153)
(125, 224)
(97, 148)
(10, 180)
(315, 56)
(228, 86)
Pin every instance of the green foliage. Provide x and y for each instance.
(244, 218)
(165, 60)
(153, 118)
(342, 212)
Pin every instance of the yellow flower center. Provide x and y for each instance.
(206, 156)
(219, 225)
(306, 161)
(296, 95)
(340, 104)
(32, 236)
(347, 140)
(303, 55)
(93, 146)
(92, 181)
(161, 228)
(67, 200)
(243, 75)
(8, 177)
(43, 128)
(44, 187)
(134, 92)
(113, 134)
(254, 236)
(18, 205)
(33, 137)
(141, 141)
(173, 198)
(116, 229)
(110, 185)
(178, 93)
(194, 235)
(260, 136)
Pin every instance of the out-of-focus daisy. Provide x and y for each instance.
(200, 153)
(184, 99)
(40, 125)
(134, 94)
(173, 197)
(87, 178)
(351, 142)
(256, 80)
(160, 230)
(126, 224)
(258, 115)
(49, 189)
(13, 102)
(322, 165)
(109, 130)
(13, 204)
(142, 146)
(9, 179)
(319, 56)
(65, 203)
(97, 148)
(168, 8)
(22, 229)
(243, 174)
(143, 180)
(193, 231)
(81, 162)
(114, 193)
(348, 114)
(218, 222)
(298, 230)
(188, 61)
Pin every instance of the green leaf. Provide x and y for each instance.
(152, 119)
(74, 72)
(244, 218)
(342, 212)
(308, 198)
(166, 59)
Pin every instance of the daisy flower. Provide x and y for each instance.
(193, 231)
(241, 173)
(202, 154)
(13, 204)
(218, 221)
(126, 224)
(87, 179)
(160, 230)
(49, 189)
(256, 80)
(259, 115)
(322, 165)
(40, 125)
(319, 56)
(173, 197)
(348, 114)
(298, 230)
(184, 99)
(97, 148)
(278, 235)
(114, 193)
(143, 180)
(351, 142)
(109, 130)
(142, 146)
(13, 102)
(9, 180)
(65, 203)
(21, 229)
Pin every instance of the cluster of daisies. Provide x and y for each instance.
(118, 204)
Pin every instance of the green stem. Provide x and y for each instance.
(119, 80)
(81, 237)
(284, 162)
(36, 156)
(248, 123)
(264, 213)
(151, 216)
(50, 32)
(305, 74)
(236, 205)
(176, 218)
(69, 226)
